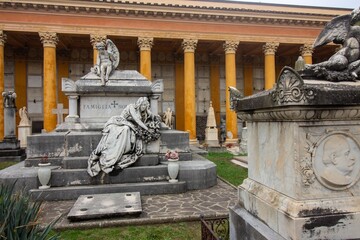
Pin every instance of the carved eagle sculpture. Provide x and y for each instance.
(344, 65)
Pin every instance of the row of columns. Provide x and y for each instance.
(187, 87)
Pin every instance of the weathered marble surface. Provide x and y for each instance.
(91, 104)
(105, 206)
(304, 158)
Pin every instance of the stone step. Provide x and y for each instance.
(73, 192)
(73, 177)
(82, 161)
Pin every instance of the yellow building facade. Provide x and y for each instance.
(199, 49)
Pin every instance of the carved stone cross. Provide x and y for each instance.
(60, 111)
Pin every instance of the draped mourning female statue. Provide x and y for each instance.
(123, 138)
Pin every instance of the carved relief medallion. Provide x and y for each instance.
(336, 160)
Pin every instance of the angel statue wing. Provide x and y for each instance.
(113, 53)
(335, 31)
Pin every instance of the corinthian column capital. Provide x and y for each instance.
(48, 39)
(189, 45)
(270, 48)
(145, 43)
(96, 38)
(230, 46)
(307, 49)
(2, 38)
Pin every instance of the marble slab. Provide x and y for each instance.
(106, 205)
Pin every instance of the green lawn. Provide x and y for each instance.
(174, 231)
(227, 170)
(6, 164)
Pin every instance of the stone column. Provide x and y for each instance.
(306, 52)
(215, 86)
(49, 41)
(94, 39)
(145, 44)
(2, 43)
(230, 79)
(189, 46)
(73, 111)
(269, 51)
(248, 75)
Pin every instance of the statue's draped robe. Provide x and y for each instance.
(119, 146)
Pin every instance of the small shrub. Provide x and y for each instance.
(19, 215)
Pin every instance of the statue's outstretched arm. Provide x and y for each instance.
(136, 118)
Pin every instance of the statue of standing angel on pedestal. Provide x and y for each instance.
(107, 60)
(344, 65)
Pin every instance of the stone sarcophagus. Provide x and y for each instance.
(304, 161)
(91, 104)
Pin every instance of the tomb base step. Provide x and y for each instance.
(73, 192)
(73, 177)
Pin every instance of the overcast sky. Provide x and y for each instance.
(319, 3)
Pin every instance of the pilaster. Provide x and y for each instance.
(215, 86)
(2, 43)
(179, 92)
(269, 50)
(189, 46)
(20, 79)
(248, 75)
(230, 79)
(49, 41)
(145, 44)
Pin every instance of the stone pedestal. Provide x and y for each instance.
(23, 132)
(9, 117)
(304, 161)
(211, 132)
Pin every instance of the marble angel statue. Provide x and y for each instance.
(344, 65)
(107, 60)
(123, 138)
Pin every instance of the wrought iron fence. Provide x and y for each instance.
(214, 228)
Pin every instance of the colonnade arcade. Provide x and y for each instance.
(194, 71)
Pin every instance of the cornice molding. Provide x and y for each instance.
(171, 11)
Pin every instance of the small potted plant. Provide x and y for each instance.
(44, 172)
(172, 156)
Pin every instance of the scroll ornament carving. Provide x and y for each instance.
(68, 85)
(157, 86)
(145, 43)
(270, 48)
(290, 88)
(189, 45)
(48, 39)
(306, 170)
(230, 46)
(96, 38)
(3, 38)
